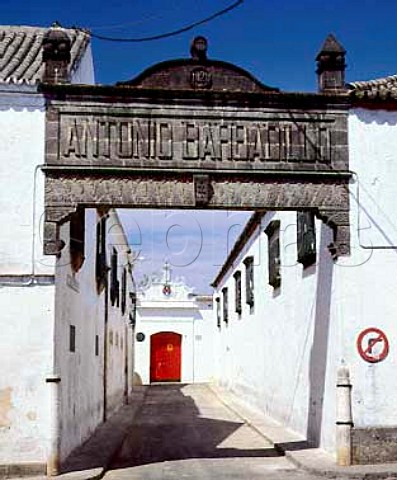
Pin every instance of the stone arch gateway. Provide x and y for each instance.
(195, 133)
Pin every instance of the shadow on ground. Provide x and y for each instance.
(171, 427)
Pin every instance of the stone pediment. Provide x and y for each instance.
(198, 73)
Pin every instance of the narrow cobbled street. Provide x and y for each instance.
(184, 431)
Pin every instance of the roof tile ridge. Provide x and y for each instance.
(6, 66)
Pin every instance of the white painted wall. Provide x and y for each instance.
(26, 360)
(203, 341)
(366, 281)
(27, 320)
(265, 355)
(27, 312)
(284, 357)
(82, 372)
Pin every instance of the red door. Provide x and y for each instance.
(165, 357)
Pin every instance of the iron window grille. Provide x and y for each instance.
(225, 305)
(101, 267)
(132, 314)
(249, 280)
(274, 257)
(218, 312)
(124, 291)
(72, 338)
(114, 282)
(237, 284)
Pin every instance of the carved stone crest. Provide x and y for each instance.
(202, 189)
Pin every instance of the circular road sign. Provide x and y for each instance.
(373, 345)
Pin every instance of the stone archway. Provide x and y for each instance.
(196, 133)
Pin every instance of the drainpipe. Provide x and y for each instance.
(53, 459)
(344, 419)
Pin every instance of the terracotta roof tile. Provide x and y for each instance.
(21, 52)
(380, 88)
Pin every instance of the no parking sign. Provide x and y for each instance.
(373, 345)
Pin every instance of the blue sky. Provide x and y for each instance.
(276, 40)
(195, 243)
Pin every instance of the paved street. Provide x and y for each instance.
(186, 432)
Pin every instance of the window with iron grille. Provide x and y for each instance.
(101, 267)
(77, 240)
(225, 305)
(72, 338)
(249, 281)
(124, 291)
(114, 282)
(218, 312)
(306, 238)
(273, 233)
(237, 284)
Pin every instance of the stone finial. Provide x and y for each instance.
(198, 49)
(56, 55)
(331, 66)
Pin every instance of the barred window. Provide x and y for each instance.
(225, 305)
(218, 312)
(72, 338)
(306, 238)
(273, 233)
(249, 280)
(114, 282)
(237, 283)
(124, 291)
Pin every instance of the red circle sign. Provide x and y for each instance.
(373, 345)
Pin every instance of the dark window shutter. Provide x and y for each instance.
(114, 283)
(237, 280)
(124, 291)
(306, 238)
(218, 312)
(77, 239)
(249, 281)
(273, 233)
(100, 261)
(225, 305)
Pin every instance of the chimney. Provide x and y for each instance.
(56, 55)
(331, 66)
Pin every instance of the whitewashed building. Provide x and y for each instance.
(174, 332)
(63, 346)
(290, 314)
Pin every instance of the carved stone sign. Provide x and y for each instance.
(212, 139)
(195, 133)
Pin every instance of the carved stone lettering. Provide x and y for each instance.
(224, 143)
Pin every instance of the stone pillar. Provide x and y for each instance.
(331, 66)
(344, 419)
(56, 55)
(53, 457)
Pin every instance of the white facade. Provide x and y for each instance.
(28, 297)
(283, 356)
(179, 312)
(79, 304)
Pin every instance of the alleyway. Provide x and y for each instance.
(186, 432)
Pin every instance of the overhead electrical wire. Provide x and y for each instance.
(171, 33)
(170, 6)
